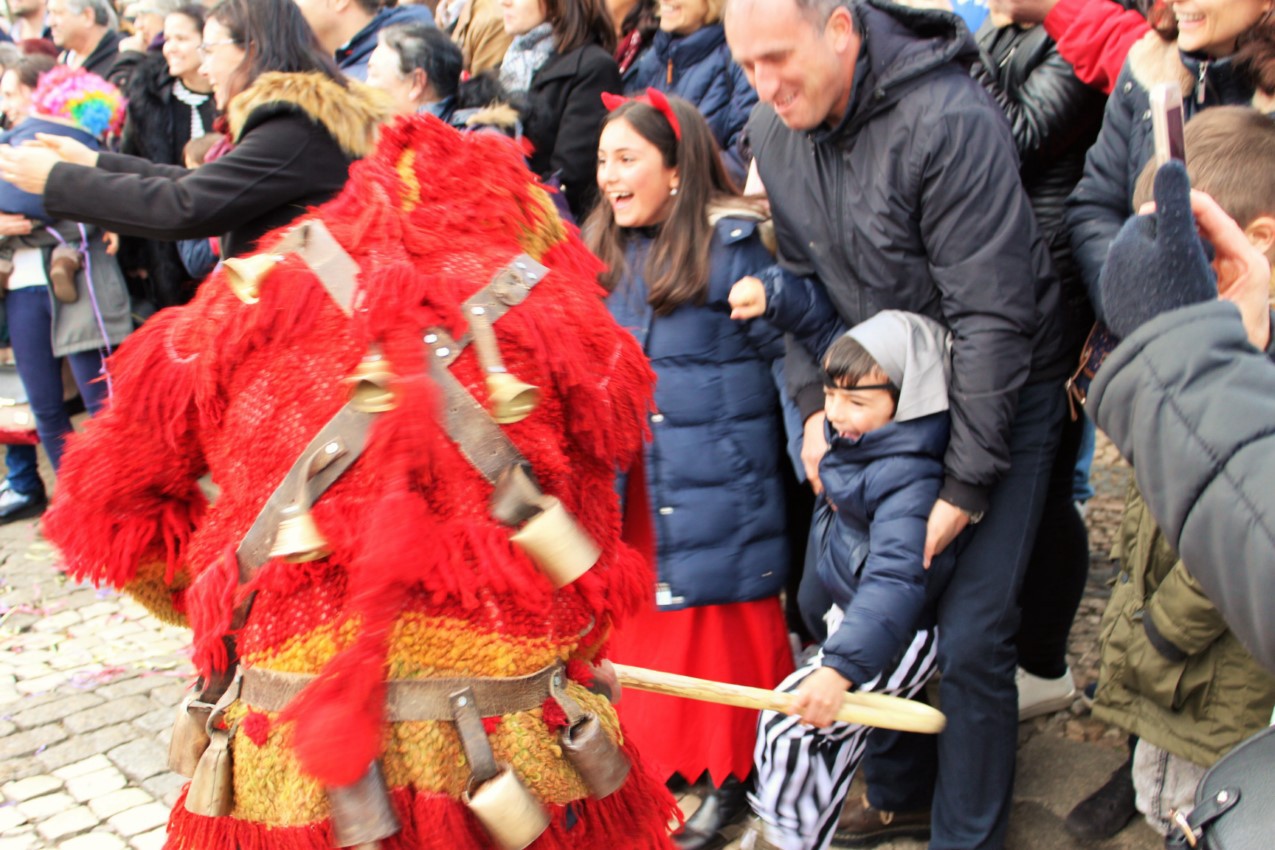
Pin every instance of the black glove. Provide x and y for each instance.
(1157, 262)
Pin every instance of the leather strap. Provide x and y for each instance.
(473, 737)
(317, 247)
(408, 700)
(328, 454)
(479, 438)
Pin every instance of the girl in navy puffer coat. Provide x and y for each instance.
(675, 240)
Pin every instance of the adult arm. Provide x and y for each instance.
(135, 197)
(1047, 111)
(1191, 404)
(1095, 37)
(1100, 203)
(983, 251)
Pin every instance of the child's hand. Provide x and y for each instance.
(819, 697)
(747, 298)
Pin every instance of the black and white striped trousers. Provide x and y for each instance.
(803, 773)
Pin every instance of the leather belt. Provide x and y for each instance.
(409, 700)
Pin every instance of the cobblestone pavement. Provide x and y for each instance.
(88, 688)
(89, 685)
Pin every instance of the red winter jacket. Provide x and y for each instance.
(1095, 37)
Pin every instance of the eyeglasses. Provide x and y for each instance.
(207, 47)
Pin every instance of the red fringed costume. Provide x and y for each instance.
(421, 581)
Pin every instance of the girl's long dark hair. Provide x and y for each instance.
(677, 265)
(274, 37)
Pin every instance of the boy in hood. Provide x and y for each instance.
(886, 400)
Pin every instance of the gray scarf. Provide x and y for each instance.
(526, 54)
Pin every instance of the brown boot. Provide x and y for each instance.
(863, 826)
(63, 267)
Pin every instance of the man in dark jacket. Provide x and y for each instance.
(85, 31)
(348, 28)
(885, 165)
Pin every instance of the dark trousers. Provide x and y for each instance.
(24, 473)
(966, 774)
(30, 331)
(1059, 567)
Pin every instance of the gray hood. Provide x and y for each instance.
(915, 352)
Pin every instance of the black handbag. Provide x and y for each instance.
(1234, 802)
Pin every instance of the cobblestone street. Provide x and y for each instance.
(89, 685)
(88, 688)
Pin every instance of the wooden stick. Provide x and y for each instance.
(880, 710)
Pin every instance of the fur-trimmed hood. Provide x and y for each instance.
(351, 113)
(1152, 60)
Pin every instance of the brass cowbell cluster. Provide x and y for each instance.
(509, 399)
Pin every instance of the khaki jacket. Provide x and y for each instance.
(1212, 694)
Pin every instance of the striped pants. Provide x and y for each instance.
(802, 773)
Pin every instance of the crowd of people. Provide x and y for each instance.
(871, 254)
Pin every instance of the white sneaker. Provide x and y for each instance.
(1037, 696)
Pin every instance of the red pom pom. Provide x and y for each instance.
(257, 727)
(555, 718)
(491, 724)
(580, 672)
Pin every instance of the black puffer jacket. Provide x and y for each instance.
(157, 127)
(908, 205)
(1104, 197)
(1054, 118)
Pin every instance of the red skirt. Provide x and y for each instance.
(745, 643)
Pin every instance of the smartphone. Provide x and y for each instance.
(1167, 123)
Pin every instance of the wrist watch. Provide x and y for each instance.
(975, 516)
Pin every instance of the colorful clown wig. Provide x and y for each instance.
(83, 98)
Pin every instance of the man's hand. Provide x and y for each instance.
(606, 681)
(819, 697)
(12, 224)
(946, 522)
(27, 167)
(813, 447)
(112, 241)
(1023, 11)
(747, 298)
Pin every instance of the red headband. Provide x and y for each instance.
(653, 98)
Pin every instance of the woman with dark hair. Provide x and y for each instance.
(561, 59)
(169, 103)
(675, 236)
(295, 122)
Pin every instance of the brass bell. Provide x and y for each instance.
(371, 379)
(244, 275)
(298, 539)
(509, 399)
(560, 548)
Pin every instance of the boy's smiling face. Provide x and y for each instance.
(861, 409)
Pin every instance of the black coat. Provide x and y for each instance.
(1054, 118)
(908, 205)
(564, 119)
(157, 126)
(296, 137)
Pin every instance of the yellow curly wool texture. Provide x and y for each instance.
(153, 594)
(422, 645)
(426, 756)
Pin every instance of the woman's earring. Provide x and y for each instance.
(673, 191)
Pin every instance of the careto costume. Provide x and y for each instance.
(421, 582)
